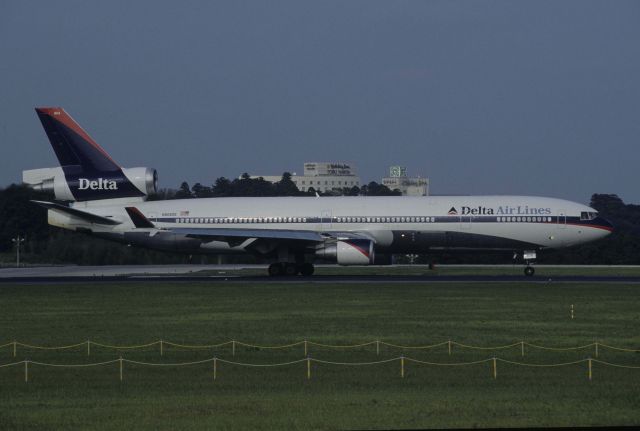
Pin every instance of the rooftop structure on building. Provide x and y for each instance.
(408, 186)
(321, 176)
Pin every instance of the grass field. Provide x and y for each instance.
(336, 397)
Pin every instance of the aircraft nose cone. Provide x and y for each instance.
(604, 224)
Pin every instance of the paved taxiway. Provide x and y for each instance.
(323, 279)
(192, 273)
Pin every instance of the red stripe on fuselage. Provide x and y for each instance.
(595, 226)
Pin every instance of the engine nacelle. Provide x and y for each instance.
(131, 182)
(49, 180)
(145, 179)
(348, 252)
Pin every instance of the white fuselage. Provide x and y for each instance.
(397, 224)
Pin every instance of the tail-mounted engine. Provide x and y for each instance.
(86, 172)
(131, 182)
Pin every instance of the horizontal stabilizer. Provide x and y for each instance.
(92, 218)
(138, 219)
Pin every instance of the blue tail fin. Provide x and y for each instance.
(90, 172)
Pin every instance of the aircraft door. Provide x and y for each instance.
(562, 219)
(325, 220)
(465, 222)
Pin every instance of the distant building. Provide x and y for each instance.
(322, 176)
(408, 186)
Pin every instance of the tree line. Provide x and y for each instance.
(253, 187)
(47, 244)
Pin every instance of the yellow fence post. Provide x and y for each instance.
(308, 368)
(161, 348)
(495, 369)
(522, 348)
(589, 368)
(449, 346)
(233, 348)
(120, 368)
(215, 368)
(305, 347)
(88, 347)
(378, 347)
(26, 371)
(596, 349)
(402, 366)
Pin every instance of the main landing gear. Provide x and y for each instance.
(279, 269)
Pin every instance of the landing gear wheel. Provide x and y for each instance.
(276, 269)
(290, 269)
(306, 269)
(529, 271)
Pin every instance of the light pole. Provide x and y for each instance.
(17, 241)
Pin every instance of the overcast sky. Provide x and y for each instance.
(482, 97)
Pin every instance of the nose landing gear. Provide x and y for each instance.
(529, 257)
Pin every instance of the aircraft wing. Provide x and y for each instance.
(238, 235)
(349, 235)
(224, 234)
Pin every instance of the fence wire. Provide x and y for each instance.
(307, 343)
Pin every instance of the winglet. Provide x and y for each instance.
(138, 219)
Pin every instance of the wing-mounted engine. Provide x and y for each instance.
(348, 252)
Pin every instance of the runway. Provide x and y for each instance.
(321, 280)
(237, 274)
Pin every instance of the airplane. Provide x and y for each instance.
(96, 196)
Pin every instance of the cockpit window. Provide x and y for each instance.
(588, 215)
